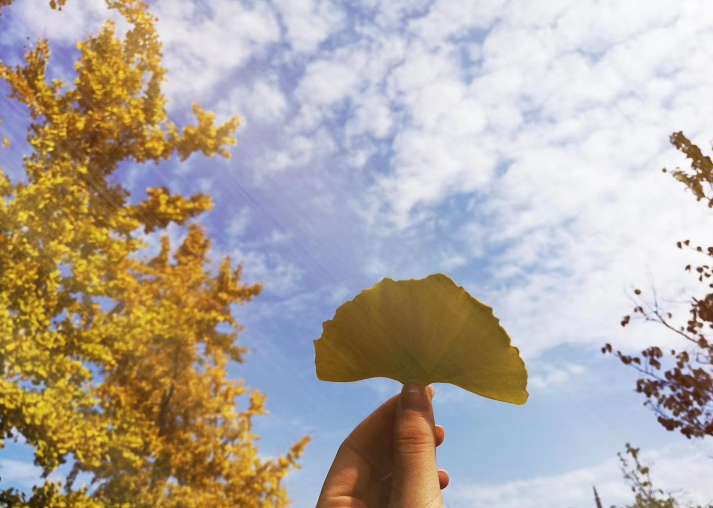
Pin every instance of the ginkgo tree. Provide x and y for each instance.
(113, 362)
(678, 384)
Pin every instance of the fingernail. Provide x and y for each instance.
(414, 397)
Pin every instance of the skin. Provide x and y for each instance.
(389, 460)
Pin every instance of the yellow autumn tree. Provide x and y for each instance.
(110, 361)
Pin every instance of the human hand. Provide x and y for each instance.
(389, 460)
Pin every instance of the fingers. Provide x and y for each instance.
(365, 454)
(440, 431)
(440, 435)
(443, 479)
(369, 453)
(416, 481)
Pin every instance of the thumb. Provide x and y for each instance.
(415, 479)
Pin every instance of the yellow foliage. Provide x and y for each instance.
(111, 361)
(429, 331)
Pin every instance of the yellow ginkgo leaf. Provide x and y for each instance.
(428, 331)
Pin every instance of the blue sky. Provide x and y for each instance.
(515, 146)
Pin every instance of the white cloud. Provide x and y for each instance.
(328, 82)
(375, 267)
(554, 376)
(596, 25)
(277, 237)
(24, 474)
(204, 185)
(372, 115)
(682, 467)
(558, 134)
(428, 167)
(13, 471)
(299, 152)
(279, 277)
(205, 42)
(390, 15)
(451, 261)
(202, 42)
(528, 66)
(70, 25)
(351, 72)
(422, 69)
(260, 102)
(473, 235)
(309, 22)
(239, 224)
(452, 18)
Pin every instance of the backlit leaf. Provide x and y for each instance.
(429, 331)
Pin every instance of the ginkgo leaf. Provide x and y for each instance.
(428, 331)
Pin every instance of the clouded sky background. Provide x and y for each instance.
(515, 146)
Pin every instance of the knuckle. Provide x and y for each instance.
(414, 437)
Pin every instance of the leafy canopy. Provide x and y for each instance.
(111, 361)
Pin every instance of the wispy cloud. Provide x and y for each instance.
(259, 102)
(19, 472)
(71, 24)
(309, 22)
(239, 223)
(24, 475)
(204, 43)
(554, 376)
(683, 469)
